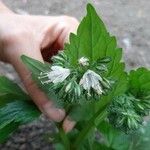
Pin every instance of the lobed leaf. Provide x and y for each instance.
(16, 108)
(139, 81)
(113, 138)
(9, 87)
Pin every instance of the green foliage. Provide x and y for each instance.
(117, 140)
(18, 111)
(113, 138)
(123, 114)
(139, 83)
(15, 108)
(7, 87)
(36, 67)
(127, 111)
(122, 99)
(7, 130)
(141, 138)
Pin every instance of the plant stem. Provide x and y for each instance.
(63, 137)
(90, 125)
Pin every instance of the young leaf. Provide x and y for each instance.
(139, 81)
(113, 138)
(35, 66)
(9, 87)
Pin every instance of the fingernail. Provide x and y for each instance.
(53, 113)
(68, 125)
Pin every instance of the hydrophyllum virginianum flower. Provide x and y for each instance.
(57, 75)
(74, 84)
(127, 112)
(91, 80)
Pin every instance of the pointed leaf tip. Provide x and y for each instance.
(24, 58)
(90, 7)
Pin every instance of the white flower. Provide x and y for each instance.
(90, 80)
(56, 75)
(83, 61)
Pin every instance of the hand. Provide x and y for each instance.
(38, 37)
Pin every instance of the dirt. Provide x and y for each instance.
(128, 20)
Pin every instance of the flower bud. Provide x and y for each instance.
(68, 87)
(84, 61)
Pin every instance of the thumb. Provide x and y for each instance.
(39, 98)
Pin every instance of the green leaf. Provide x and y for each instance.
(7, 98)
(7, 130)
(139, 81)
(18, 111)
(113, 138)
(9, 87)
(82, 112)
(141, 139)
(64, 138)
(88, 35)
(34, 65)
(16, 108)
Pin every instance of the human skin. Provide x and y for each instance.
(37, 37)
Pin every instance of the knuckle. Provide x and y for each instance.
(53, 113)
(59, 117)
(68, 20)
(71, 19)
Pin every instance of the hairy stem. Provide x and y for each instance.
(90, 125)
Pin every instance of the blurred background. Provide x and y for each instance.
(128, 20)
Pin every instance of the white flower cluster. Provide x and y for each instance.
(90, 79)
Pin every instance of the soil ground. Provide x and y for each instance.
(129, 20)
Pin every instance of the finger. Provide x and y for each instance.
(68, 25)
(68, 124)
(36, 94)
(57, 35)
